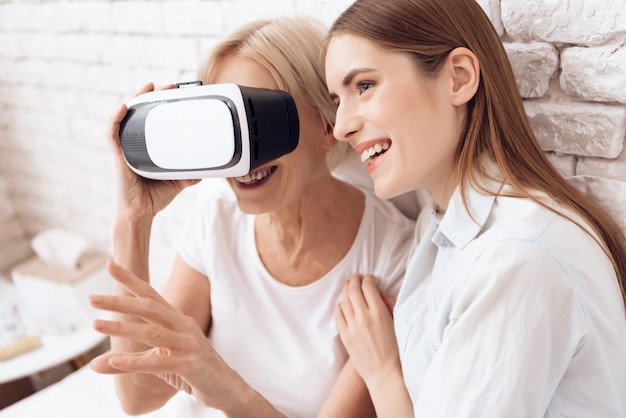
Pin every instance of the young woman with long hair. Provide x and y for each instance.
(513, 304)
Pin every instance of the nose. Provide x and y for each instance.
(347, 123)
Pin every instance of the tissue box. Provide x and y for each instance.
(54, 299)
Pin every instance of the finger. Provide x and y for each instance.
(133, 284)
(148, 334)
(371, 295)
(114, 127)
(111, 303)
(166, 87)
(345, 304)
(340, 320)
(189, 182)
(146, 309)
(102, 365)
(355, 293)
(342, 326)
(151, 361)
(390, 302)
(117, 117)
(144, 89)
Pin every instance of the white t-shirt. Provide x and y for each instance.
(282, 339)
(513, 312)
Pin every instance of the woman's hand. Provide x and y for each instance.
(139, 197)
(365, 325)
(180, 353)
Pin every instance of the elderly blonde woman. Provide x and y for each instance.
(246, 320)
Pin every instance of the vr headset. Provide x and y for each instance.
(216, 130)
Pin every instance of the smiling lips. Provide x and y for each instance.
(367, 156)
(256, 176)
(370, 153)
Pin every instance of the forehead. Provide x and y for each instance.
(243, 71)
(349, 54)
(350, 50)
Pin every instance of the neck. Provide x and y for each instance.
(312, 234)
(324, 205)
(442, 195)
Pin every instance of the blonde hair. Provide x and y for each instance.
(289, 49)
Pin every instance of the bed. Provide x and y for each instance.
(87, 394)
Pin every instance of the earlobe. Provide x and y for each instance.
(465, 75)
(329, 139)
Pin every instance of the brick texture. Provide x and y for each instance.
(66, 65)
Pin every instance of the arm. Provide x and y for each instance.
(348, 397)
(190, 293)
(138, 201)
(178, 353)
(509, 338)
(366, 329)
(514, 329)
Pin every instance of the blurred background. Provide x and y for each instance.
(65, 66)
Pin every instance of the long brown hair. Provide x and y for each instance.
(497, 128)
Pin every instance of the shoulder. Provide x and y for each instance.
(521, 235)
(541, 249)
(526, 220)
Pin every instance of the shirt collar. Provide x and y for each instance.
(458, 227)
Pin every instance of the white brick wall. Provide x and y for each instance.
(65, 65)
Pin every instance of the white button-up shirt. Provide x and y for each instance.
(513, 311)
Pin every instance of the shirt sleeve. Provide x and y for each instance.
(515, 326)
(190, 243)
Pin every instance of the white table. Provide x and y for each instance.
(54, 351)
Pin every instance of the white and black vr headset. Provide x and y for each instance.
(216, 130)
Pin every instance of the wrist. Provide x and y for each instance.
(131, 244)
(125, 217)
(126, 226)
(390, 395)
(380, 381)
(243, 402)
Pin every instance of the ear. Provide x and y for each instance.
(329, 140)
(465, 75)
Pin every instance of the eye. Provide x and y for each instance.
(364, 86)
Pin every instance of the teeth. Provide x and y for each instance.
(376, 149)
(254, 177)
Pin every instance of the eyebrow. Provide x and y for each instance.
(349, 77)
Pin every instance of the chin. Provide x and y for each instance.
(251, 207)
(383, 192)
(389, 190)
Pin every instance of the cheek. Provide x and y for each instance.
(296, 171)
